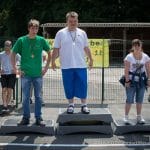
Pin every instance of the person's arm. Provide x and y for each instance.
(13, 61)
(126, 72)
(44, 58)
(55, 55)
(47, 63)
(147, 66)
(88, 53)
(0, 65)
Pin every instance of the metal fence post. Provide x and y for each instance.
(103, 73)
(16, 92)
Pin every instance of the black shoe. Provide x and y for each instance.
(39, 122)
(70, 109)
(85, 109)
(5, 109)
(24, 121)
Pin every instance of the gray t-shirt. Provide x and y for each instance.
(5, 62)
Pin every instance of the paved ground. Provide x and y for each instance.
(85, 141)
(54, 98)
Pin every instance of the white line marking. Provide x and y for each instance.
(74, 145)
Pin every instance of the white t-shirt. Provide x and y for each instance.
(134, 64)
(71, 48)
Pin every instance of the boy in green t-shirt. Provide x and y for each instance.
(30, 48)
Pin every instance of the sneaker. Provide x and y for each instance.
(85, 109)
(126, 120)
(140, 119)
(39, 122)
(5, 109)
(24, 121)
(70, 109)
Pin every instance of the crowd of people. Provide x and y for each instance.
(71, 46)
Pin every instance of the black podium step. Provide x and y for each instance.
(121, 128)
(11, 126)
(99, 120)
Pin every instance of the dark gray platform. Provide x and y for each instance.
(10, 126)
(99, 120)
(121, 128)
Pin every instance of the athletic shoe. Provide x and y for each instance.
(140, 119)
(85, 109)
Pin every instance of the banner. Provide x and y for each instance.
(99, 50)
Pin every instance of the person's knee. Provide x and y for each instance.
(129, 101)
(9, 90)
(4, 90)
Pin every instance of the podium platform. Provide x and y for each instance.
(11, 126)
(121, 128)
(99, 120)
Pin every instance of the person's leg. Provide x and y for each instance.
(4, 84)
(4, 96)
(139, 100)
(127, 108)
(130, 93)
(43, 103)
(11, 86)
(37, 84)
(68, 83)
(31, 93)
(26, 85)
(81, 88)
(9, 93)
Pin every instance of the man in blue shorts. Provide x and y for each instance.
(71, 45)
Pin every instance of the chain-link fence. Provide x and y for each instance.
(103, 84)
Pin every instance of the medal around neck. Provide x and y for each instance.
(32, 56)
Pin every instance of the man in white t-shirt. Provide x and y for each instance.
(71, 45)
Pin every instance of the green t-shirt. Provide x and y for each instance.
(31, 54)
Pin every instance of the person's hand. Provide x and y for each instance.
(127, 84)
(44, 71)
(148, 83)
(1, 71)
(90, 63)
(54, 66)
(14, 70)
(20, 73)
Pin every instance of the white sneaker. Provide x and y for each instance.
(140, 119)
(126, 120)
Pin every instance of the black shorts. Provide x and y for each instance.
(8, 81)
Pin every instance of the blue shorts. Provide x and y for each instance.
(75, 82)
(135, 92)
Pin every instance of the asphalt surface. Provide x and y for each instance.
(79, 141)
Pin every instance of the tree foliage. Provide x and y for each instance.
(14, 14)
